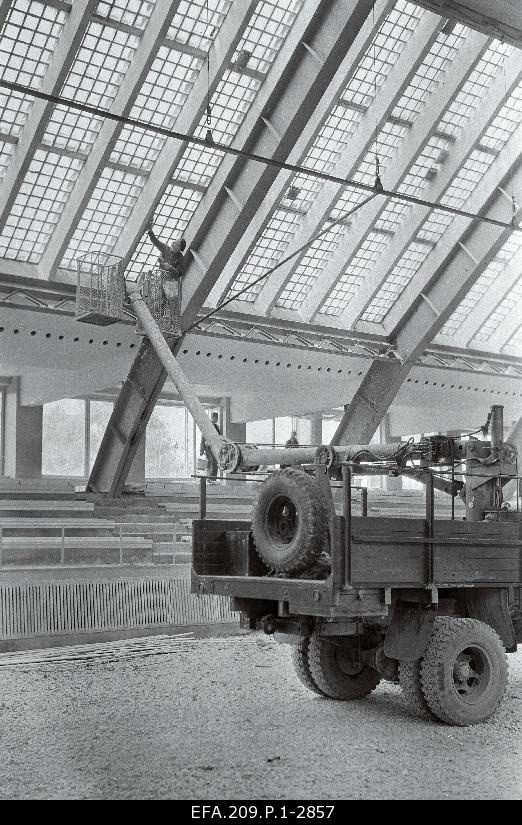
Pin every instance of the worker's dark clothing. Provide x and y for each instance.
(204, 448)
(171, 257)
(292, 442)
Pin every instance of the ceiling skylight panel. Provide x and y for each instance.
(267, 31)
(348, 201)
(392, 216)
(101, 63)
(426, 166)
(301, 192)
(430, 73)
(511, 300)
(332, 139)
(38, 205)
(27, 41)
(198, 165)
(14, 109)
(388, 140)
(434, 226)
(171, 218)
(160, 100)
(514, 345)
(477, 291)
(166, 87)
(382, 54)
(396, 281)
(310, 267)
(468, 178)
(269, 249)
(505, 123)
(472, 93)
(6, 152)
(355, 273)
(137, 148)
(109, 207)
(133, 13)
(196, 23)
(229, 105)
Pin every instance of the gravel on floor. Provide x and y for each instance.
(226, 718)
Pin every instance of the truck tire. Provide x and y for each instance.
(333, 672)
(301, 665)
(463, 671)
(289, 521)
(410, 684)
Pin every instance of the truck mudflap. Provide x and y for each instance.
(490, 605)
(409, 631)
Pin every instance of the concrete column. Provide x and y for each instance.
(22, 436)
(235, 430)
(317, 428)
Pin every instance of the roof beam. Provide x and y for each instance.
(267, 207)
(438, 287)
(221, 53)
(35, 125)
(470, 136)
(98, 157)
(354, 153)
(414, 143)
(488, 302)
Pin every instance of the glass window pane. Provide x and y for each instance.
(63, 437)
(329, 427)
(283, 430)
(166, 444)
(259, 432)
(100, 412)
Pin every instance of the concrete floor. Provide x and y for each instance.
(226, 718)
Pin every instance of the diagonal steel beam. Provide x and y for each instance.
(296, 88)
(150, 41)
(269, 204)
(380, 110)
(436, 290)
(471, 135)
(34, 128)
(419, 136)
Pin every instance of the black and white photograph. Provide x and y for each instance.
(260, 403)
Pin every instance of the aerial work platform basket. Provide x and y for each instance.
(100, 289)
(162, 295)
(101, 295)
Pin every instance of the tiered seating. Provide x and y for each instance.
(48, 532)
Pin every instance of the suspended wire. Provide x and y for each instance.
(341, 219)
(243, 153)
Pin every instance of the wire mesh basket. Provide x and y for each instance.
(162, 296)
(100, 289)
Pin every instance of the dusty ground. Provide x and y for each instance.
(226, 718)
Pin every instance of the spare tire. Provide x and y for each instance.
(290, 521)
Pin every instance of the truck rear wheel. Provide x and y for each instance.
(289, 521)
(463, 671)
(410, 683)
(300, 661)
(333, 670)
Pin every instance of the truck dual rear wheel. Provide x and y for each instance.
(333, 670)
(410, 683)
(289, 521)
(300, 661)
(463, 671)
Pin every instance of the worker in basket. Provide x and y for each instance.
(170, 264)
